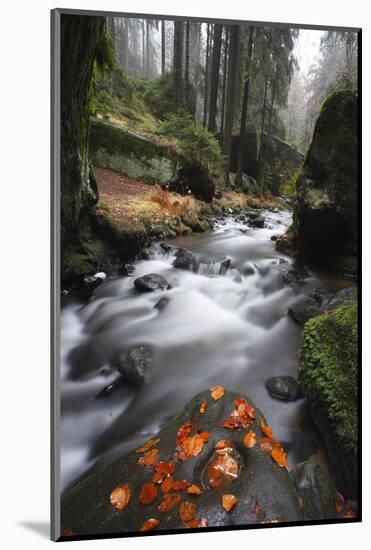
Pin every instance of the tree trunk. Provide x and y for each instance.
(178, 64)
(263, 140)
(186, 70)
(125, 43)
(143, 49)
(206, 86)
(224, 85)
(230, 98)
(245, 101)
(214, 78)
(148, 69)
(163, 47)
(79, 38)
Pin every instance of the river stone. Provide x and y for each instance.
(134, 365)
(301, 313)
(184, 259)
(258, 222)
(111, 388)
(315, 489)
(151, 282)
(283, 387)
(86, 508)
(345, 295)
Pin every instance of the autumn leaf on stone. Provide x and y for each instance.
(161, 470)
(279, 456)
(148, 458)
(203, 407)
(167, 484)
(192, 445)
(217, 392)
(169, 501)
(339, 503)
(184, 431)
(67, 533)
(223, 446)
(193, 490)
(197, 522)
(266, 445)
(266, 429)
(229, 502)
(180, 484)
(120, 496)
(242, 416)
(187, 510)
(223, 466)
(250, 439)
(147, 446)
(150, 524)
(148, 493)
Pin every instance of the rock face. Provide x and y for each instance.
(325, 218)
(134, 365)
(328, 372)
(264, 490)
(315, 489)
(283, 387)
(282, 160)
(151, 282)
(184, 259)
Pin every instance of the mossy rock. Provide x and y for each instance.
(264, 490)
(328, 374)
(325, 218)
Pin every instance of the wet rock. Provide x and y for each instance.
(91, 282)
(134, 365)
(274, 237)
(315, 489)
(111, 388)
(318, 295)
(258, 222)
(162, 303)
(283, 387)
(345, 295)
(264, 490)
(247, 268)
(150, 283)
(127, 270)
(301, 313)
(184, 259)
(166, 247)
(296, 275)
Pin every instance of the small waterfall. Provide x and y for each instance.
(214, 268)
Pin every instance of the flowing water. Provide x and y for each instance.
(218, 326)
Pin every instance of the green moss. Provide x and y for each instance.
(328, 370)
(288, 182)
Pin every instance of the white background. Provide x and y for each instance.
(24, 272)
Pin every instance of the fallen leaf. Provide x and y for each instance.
(67, 533)
(120, 496)
(217, 392)
(169, 502)
(167, 484)
(197, 522)
(278, 454)
(339, 503)
(150, 443)
(266, 429)
(149, 458)
(187, 510)
(184, 431)
(242, 416)
(256, 510)
(203, 407)
(223, 445)
(266, 445)
(161, 470)
(222, 466)
(148, 493)
(229, 502)
(180, 484)
(250, 439)
(193, 490)
(349, 514)
(150, 524)
(192, 446)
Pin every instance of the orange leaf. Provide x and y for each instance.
(148, 493)
(242, 416)
(222, 466)
(120, 496)
(150, 443)
(229, 502)
(193, 490)
(167, 484)
(279, 456)
(217, 392)
(169, 502)
(223, 445)
(339, 502)
(197, 522)
(266, 429)
(250, 439)
(180, 484)
(192, 446)
(67, 533)
(184, 431)
(266, 445)
(149, 458)
(150, 524)
(203, 407)
(161, 470)
(187, 510)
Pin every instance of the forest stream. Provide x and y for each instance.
(215, 326)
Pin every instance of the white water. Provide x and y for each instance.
(229, 329)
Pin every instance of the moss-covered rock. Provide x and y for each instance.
(328, 373)
(325, 218)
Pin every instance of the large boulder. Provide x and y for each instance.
(196, 179)
(282, 162)
(328, 374)
(325, 218)
(150, 283)
(264, 490)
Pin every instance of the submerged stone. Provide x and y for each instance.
(283, 387)
(151, 282)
